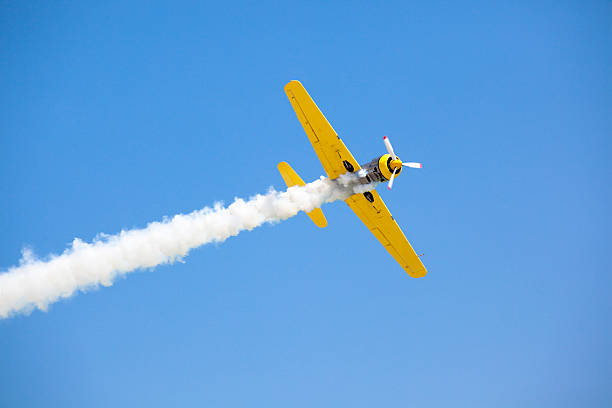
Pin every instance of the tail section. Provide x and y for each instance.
(292, 179)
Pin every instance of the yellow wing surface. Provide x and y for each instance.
(332, 153)
(376, 216)
(328, 146)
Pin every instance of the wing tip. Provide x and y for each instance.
(292, 83)
(416, 273)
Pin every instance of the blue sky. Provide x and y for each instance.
(117, 114)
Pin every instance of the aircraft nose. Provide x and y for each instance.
(396, 164)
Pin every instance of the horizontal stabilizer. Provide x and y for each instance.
(292, 179)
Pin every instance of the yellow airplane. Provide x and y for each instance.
(337, 160)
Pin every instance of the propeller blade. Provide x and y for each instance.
(391, 179)
(413, 165)
(389, 148)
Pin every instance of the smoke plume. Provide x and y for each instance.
(37, 283)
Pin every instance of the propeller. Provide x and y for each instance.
(394, 157)
(391, 180)
(389, 147)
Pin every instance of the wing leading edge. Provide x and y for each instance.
(333, 153)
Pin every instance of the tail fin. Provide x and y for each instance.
(292, 179)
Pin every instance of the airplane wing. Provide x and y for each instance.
(329, 147)
(378, 219)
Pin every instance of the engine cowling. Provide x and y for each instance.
(387, 165)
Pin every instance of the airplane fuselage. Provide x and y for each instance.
(378, 170)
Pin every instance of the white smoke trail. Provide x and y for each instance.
(38, 283)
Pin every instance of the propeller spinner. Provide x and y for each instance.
(396, 163)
